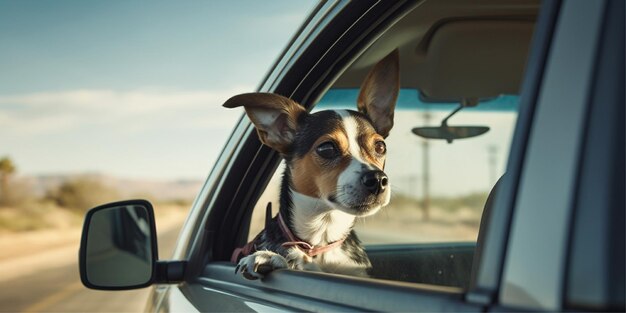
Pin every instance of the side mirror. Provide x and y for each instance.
(118, 248)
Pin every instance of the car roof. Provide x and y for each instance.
(452, 51)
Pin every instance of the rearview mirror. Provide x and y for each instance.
(118, 248)
(450, 133)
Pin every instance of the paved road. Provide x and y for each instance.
(58, 289)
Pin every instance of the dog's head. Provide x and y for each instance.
(334, 155)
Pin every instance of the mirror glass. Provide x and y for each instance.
(119, 248)
(450, 133)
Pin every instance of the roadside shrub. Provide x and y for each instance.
(21, 194)
(81, 194)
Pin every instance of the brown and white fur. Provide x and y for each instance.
(334, 174)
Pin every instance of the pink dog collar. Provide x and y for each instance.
(306, 247)
(294, 241)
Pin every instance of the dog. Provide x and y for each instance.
(333, 174)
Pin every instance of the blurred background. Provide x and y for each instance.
(108, 100)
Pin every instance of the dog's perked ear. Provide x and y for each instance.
(274, 116)
(379, 93)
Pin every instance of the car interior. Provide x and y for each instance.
(451, 52)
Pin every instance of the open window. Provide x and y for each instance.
(461, 69)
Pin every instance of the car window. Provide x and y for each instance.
(453, 126)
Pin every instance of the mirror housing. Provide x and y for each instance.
(118, 249)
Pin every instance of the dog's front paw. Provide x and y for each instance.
(260, 263)
(299, 260)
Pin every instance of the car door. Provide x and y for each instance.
(504, 275)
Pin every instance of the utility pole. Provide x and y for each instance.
(426, 172)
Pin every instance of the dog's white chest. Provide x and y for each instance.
(337, 261)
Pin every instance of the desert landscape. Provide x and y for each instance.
(40, 226)
(41, 218)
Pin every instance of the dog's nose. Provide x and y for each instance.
(375, 181)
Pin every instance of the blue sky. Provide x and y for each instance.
(131, 88)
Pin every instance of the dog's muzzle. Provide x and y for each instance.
(375, 182)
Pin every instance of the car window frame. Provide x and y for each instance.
(595, 271)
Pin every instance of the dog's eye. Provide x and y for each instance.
(380, 148)
(327, 150)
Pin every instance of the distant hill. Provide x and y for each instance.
(128, 188)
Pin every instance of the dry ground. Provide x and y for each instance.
(26, 251)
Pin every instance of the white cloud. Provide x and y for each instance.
(45, 112)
